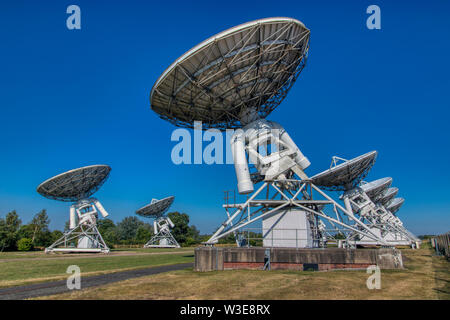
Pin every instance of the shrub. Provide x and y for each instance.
(25, 244)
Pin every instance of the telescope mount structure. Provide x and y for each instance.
(161, 225)
(234, 80)
(77, 186)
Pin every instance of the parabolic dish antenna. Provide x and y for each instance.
(75, 184)
(346, 175)
(248, 67)
(156, 208)
(161, 225)
(376, 189)
(395, 205)
(388, 196)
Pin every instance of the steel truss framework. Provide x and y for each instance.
(163, 238)
(68, 242)
(380, 220)
(303, 195)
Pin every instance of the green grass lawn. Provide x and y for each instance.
(31, 270)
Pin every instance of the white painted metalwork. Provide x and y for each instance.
(395, 205)
(235, 80)
(390, 194)
(375, 190)
(77, 186)
(161, 225)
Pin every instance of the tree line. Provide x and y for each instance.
(14, 235)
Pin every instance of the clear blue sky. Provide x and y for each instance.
(76, 98)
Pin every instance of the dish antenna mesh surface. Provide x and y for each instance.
(376, 189)
(248, 67)
(157, 208)
(75, 184)
(346, 175)
(390, 194)
(395, 205)
(161, 226)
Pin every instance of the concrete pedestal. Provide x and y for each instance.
(214, 258)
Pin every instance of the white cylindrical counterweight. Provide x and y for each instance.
(73, 218)
(245, 184)
(155, 227)
(100, 208)
(170, 222)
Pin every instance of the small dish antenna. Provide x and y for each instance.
(376, 189)
(395, 205)
(78, 186)
(343, 174)
(390, 194)
(161, 225)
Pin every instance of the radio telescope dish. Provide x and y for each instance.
(161, 225)
(250, 67)
(395, 205)
(157, 208)
(388, 196)
(75, 184)
(346, 175)
(376, 189)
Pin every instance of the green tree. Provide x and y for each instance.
(25, 244)
(194, 233)
(25, 231)
(127, 228)
(39, 224)
(55, 235)
(144, 233)
(109, 232)
(181, 229)
(9, 230)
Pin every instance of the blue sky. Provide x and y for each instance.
(75, 98)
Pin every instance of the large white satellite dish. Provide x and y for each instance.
(77, 186)
(161, 225)
(248, 67)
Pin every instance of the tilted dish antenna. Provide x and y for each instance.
(78, 186)
(161, 225)
(359, 198)
(375, 190)
(234, 80)
(346, 175)
(395, 205)
(390, 194)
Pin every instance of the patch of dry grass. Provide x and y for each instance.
(425, 277)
